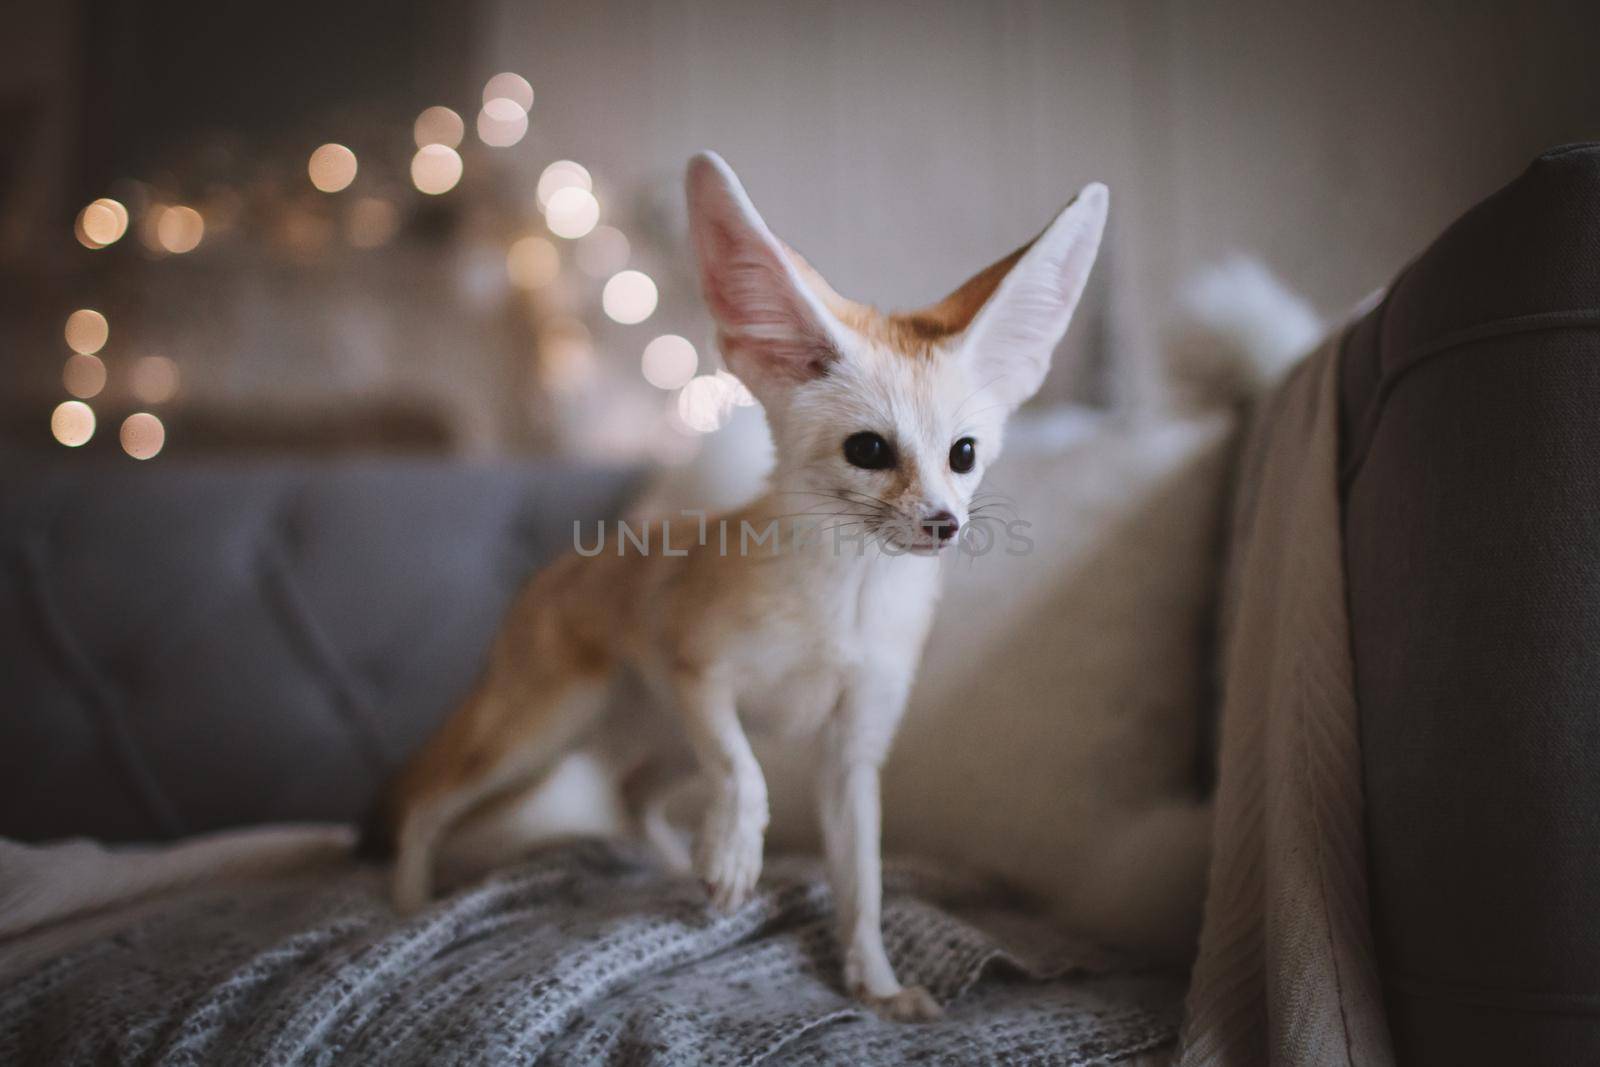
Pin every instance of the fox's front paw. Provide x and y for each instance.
(728, 855)
(870, 980)
(909, 1004)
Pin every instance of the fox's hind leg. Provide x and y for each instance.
(581, 797)
(506, 737)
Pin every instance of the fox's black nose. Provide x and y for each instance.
(941, 524)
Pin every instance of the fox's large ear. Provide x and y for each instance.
(1013, 334)
(773, 331)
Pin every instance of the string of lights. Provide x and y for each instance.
(571, 216)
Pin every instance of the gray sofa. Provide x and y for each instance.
(186, 649)
(196, 648)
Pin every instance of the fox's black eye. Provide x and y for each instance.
(868, 451)
(963, 454)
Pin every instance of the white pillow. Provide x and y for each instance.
(1054, 735)
(1054, 732)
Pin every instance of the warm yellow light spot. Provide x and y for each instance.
(435, 169)
(629, 297)
(532, 262)
(305, 234)
(566, 357)
(603, 252)
(501, 123)
(371, 222)
(704, 403)
(332, 168)
(116, 208)
(561, 174)
(83, 376)
(72, 423)
(180, 229)
(154, 379)
(142, 435)
(87, 331)
(83, 238)
(101, 223)
(669, 361)
(508, 86)
(572, 212)
(438, 125)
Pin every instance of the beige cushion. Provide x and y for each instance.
(1053, 733)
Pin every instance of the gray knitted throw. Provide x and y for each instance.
(580, 955)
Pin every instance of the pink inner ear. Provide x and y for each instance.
(767, 326)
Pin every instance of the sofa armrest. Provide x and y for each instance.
(1471, 481)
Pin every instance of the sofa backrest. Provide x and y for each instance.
(185, 648)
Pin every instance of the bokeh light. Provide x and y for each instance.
(72, 423)
(509, 86)
(142, 435)
(704, 403)
(149, 223)
(603, 252)
(332, 168)
(82, 236)
(101, 223)
(305, 234)
(562, 174)
(153, 379)
(629, 297)
(501, 123)
(371, 222)
(222, 209)
(83, 376)
(532, 263)
(669, 361)
(572, 212)
(566, 357)
(438, 125)
(435, 169)
(180, 229)
(87, 331)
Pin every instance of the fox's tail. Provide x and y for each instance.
(1239, 330)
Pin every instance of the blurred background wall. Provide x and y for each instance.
(900, 145)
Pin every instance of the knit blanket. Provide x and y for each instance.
(581, 954)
